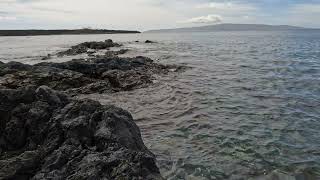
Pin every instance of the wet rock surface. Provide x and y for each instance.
(88, 46)
(101, 74)
(46, 135)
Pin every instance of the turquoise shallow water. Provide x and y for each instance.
(247, 108)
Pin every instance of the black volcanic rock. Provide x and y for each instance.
(96, 75)
(46, 135)
(148, 41)
(84, 47)
(14, 75)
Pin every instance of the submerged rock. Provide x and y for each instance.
(46, 135)
(47, 57)
(116, 53)
(87, 46)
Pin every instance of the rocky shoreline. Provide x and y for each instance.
(62, 32)
(48, 134)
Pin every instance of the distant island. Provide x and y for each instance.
(231, 27)
(36, 32)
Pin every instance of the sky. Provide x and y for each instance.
(154, 14)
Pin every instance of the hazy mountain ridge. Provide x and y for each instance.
(231, 27)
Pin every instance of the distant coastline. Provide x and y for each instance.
(36, 32)
(231, 27)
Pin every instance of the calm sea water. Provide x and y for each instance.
(248, 108)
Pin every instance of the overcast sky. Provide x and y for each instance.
(154, 14)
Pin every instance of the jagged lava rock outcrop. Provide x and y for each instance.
(84, 47)
(46, 135)
(101, 74)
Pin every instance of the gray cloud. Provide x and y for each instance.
(53, 10)
(26, 1)
(209, 19)
(154, 14)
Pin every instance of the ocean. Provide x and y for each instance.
(246, 108)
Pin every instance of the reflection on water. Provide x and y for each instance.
(248, 107)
